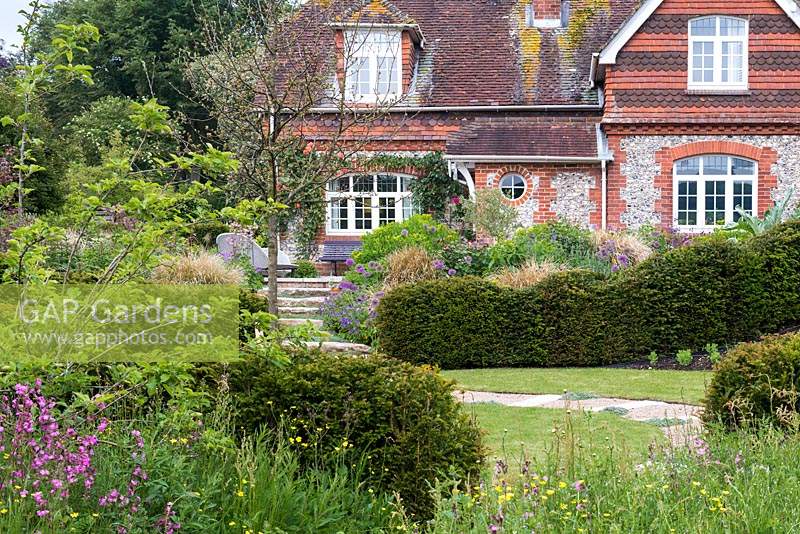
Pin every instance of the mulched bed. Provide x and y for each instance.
(700, 362)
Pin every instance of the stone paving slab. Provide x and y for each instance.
(636, 410)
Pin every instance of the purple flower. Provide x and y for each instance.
(579, 486)
(455, 201)
(362, 270)
(349, 262)
(347, 285)
(404, 232)
(468, 260)
(451, 272)
(438, 264)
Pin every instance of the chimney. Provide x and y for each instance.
(547, 13)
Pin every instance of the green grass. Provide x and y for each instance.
(509, 430)
(740, 483)
(671, 386)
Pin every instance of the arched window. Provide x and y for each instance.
(512, 186)
(718, 53)
(708, 189)
(359, 203)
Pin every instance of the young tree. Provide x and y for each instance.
(270, 69)
(37, 74)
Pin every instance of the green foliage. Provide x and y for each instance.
(555, 241)
(711, 484)
(403, 418)
(205, 233)
(491, 214)
(433, 188)
(180, 463)
(684, 357)
(141, 55)
(751, 225)
(461, 324)
(757, 383)
(714, 291)
(653, 358)
(305, 269)
(110, 120)
(420, 231)
(712, 349)
(349, 312)
(53, 67)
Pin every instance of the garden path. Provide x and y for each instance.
(299, 301)
(678, 421)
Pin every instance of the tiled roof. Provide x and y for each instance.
(523, 137)
(375, 12)
(482, 52)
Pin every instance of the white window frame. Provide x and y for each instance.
(701, 180)
(365, 44)
(717, 39)
(374, 195)
(511, 175)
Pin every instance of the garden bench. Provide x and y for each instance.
(337, 252)
(233, 245)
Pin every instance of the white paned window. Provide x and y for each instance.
(374, 65)
(718, 53)
(512, 186)
(708, 189)
(360, 203)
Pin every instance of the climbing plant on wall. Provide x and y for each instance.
(435, 191)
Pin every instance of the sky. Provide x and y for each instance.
(10, 19)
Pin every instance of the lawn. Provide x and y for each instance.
(509, 430)
(671, 386)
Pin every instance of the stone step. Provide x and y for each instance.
(300, 321)
(308, 302)
(297, 292)
(339, 347)
(323, 281)
(299, 310)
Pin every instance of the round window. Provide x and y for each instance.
(512, 186)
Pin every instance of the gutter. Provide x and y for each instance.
(527, 159)
(418, 109)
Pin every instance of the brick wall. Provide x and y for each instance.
(541, 192)
(649, 81)
(665, 151)
(547, 9)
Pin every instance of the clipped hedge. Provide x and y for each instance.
(757, 383)
(403, 419)
(714, 291)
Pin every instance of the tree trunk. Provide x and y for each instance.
(272, 267)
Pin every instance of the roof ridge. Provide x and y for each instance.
(380, 9)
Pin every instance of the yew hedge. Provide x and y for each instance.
(714, 291)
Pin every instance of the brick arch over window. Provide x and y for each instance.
(765, 157)
(531, 182)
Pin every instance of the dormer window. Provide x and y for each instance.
(374, 65)
(718, 53)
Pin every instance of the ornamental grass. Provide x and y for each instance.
(197, 268)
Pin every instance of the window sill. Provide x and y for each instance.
(718, 92)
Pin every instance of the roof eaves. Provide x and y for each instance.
(491, 158)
